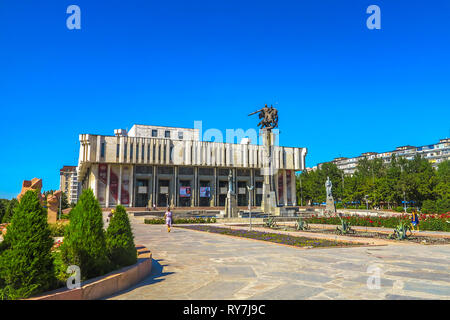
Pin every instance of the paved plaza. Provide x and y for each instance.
(197, 265)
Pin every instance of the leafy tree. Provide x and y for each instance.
(119, 239)
(26, 264)
(385, 184)
(9, 211)
(3, 205)
(84, 240)
(64, 201)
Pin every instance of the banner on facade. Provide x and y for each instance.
(205, 192)
(185, 192)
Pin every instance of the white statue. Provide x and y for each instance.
(328, 186)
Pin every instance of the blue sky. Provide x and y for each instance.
(341, 88)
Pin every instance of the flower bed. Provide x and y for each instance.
(180, 220)
(273, 237)
(430, 222)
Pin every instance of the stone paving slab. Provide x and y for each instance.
(198, 265)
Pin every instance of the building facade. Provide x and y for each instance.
(434, 153)
(154, 165)
(68, 183)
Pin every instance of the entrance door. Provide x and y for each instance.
(185, 193)
(223, 186)
(258, 188)
(242, 193)
(142, 192)
(205, 193)
(163, 193)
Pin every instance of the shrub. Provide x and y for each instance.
(84, 240)
(26, 266)
(409, 210)
(443, 205)
(399, 209)
(181, 220)
(119, 240)
(57, 229)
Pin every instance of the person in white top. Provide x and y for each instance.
(168, 217)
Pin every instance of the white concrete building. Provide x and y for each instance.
(167, 165)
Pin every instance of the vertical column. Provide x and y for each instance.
(132, 184)
(176, 192)
(195, 192)
(216, 188)
(151, 144)
(293, 188)
(284, 188)
(155, 177)
(119, 196)
(94, 173)
(108, 175)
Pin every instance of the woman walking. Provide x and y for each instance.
(168, 217)
(415, 220)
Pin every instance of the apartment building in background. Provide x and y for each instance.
(434, 153)
(68, 183)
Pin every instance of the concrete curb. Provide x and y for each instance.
(108, 284)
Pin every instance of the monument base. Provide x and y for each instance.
(231, 209)
(331, 207)
(268, 204)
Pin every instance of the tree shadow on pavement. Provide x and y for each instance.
(156, 275)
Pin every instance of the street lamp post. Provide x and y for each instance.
(404, 200)
(250, 188)
(301, 191)
(60, 205)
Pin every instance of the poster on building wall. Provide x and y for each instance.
(205, 192)
(102, 181)
(288, 186)
(125, 192)
(280, 189)
(113, 185)
(185, 192)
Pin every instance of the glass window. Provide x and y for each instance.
(167, 134)
(154, 133)
(102, 150)
(180, 135)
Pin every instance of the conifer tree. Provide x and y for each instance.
(120, 240)
(26, 265)
(9, 210)
(84, 239)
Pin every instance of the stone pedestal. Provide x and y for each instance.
(269, 201)
(331, 207)
(231, 209)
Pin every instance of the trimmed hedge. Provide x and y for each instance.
(84, 240)
(180, 220)
(26, 264)
(119, 240)
(426, 221)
